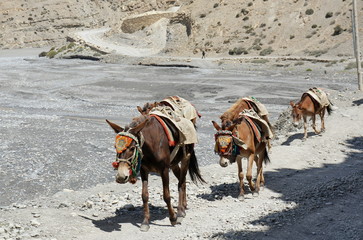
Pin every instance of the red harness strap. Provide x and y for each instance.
(254, 128)
(166, 129)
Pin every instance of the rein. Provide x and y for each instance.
(135, 160)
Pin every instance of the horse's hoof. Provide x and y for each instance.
(256, 194)
(173, 221)
(179, 220)
(241, 198)
(304, 139)
(144, 227)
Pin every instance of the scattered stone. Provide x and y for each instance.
(35, 223)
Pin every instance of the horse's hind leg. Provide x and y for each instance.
(180, 173)
(145, 199)
(251, 159)
(240, 176)
(322, 114)
(314, 124)
(260, 181)
(182, 189)
(166, 195)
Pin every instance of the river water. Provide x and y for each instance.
(53, 133)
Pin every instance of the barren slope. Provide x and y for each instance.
(263, 27)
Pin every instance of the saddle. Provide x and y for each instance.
(260, 127)
(256, 105)
(188, 133)
(181, 107)
(319, 96)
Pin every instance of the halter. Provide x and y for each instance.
(229, 146)
(123, 141)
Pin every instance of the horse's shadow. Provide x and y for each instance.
(135, 217)
(223, 190)
(358, 102)
(296, 136)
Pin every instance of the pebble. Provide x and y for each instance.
(89, 204)
(129, 207)
(64, 205)
(73, 214)
(36, 215)
(35, 223)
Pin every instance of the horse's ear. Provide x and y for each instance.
(115, 127)
(139, 109)
(292, 103)
(216, 126)
(139, 127)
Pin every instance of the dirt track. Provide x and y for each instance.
(54, 138)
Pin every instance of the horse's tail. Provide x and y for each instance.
(329, 108)
(194, 172)
(266, 158)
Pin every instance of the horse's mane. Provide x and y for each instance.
(148, 106)
(136, 121)
(233, 111)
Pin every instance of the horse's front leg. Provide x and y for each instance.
(305, 128)
(166, 195)
(241, 195)
(145, 199)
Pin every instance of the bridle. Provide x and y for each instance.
(228, 147)
(135, 160)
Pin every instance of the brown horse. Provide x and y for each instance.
(233, 112)
(310, 106)
(143, 147)
(237, 141)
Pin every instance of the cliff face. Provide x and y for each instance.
(220, 27)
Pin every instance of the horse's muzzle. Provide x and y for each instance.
(122, 179)
(223, 162)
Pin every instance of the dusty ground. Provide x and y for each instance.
(313, 188)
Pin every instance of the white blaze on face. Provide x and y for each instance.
(223, 162)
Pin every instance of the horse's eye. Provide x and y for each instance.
(132, 148)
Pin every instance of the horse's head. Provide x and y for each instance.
(224, 144)
(296, 113)
(128, 152)
(147, 107)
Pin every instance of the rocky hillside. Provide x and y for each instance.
(37, 23)
(220, 27)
